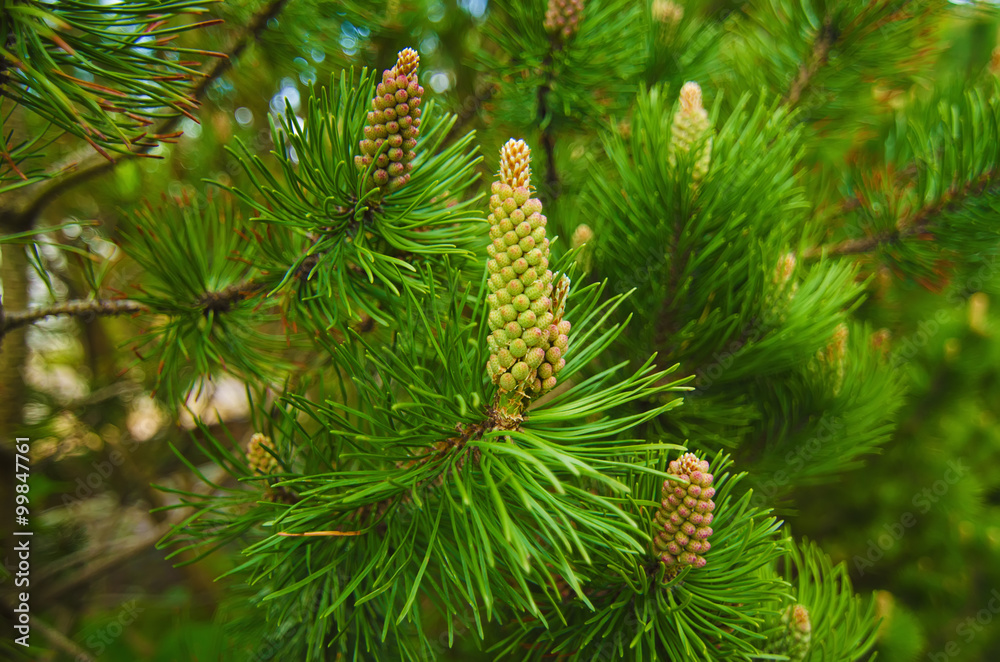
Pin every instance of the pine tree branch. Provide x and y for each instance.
(220, 301)
(819, 56)
(547, 139)
(22, 212)
(918, 223)
(470, 108)
(85, 309)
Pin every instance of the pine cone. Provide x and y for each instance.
(525, 334)
(689, 130)
(563, 17)
(259, 460)
(833, 358)
(667, 15)
(796, 634)
(666, 11)
(685, 514)
(394, 119)
(582, 236)
(783, 288)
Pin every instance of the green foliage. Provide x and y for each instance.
(843, 624)
(950, 147)
(580, 77)
(210, 315)
(409, 510)
(360, 248)
(817, 54)
(634, 611)
(428, 496)
(103, 73)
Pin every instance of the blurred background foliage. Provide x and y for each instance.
(90, 409)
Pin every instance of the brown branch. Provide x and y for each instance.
(224, 300)
(85, 309)
(471, 107)
(548, 140)
(220, 301)
(819, 57)
(917, 224)
(22, 214)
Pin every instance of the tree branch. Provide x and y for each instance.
(548, 140)
(470, 107)
(917, 224)
(220, 301)
(25, 210)
(86, 309)
(820, 56)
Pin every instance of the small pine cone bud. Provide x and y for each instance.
(881, 341)
(259, 460)
(796, 634)
(582, 236)
(666, 11)
(394, 116)
(667, 15)
(783, 288)
(785, 270)
(562, 17)
(691, 130)
(682, 525)
(833, 358)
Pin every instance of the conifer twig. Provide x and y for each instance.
(917, 224)
(218, 302)
(547, 139)
(818, 57)
(86, 309)
(21, 214)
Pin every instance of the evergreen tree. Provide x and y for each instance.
(561, 387)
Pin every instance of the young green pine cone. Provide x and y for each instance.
(260, 461)
(563, 17)
(690, 130)
(667, 15)
(796, 634)
(393, 125)
(520, 299)
(582, 236)
(685, 514)
(666, 11)
(833, 358)
(783, 288)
